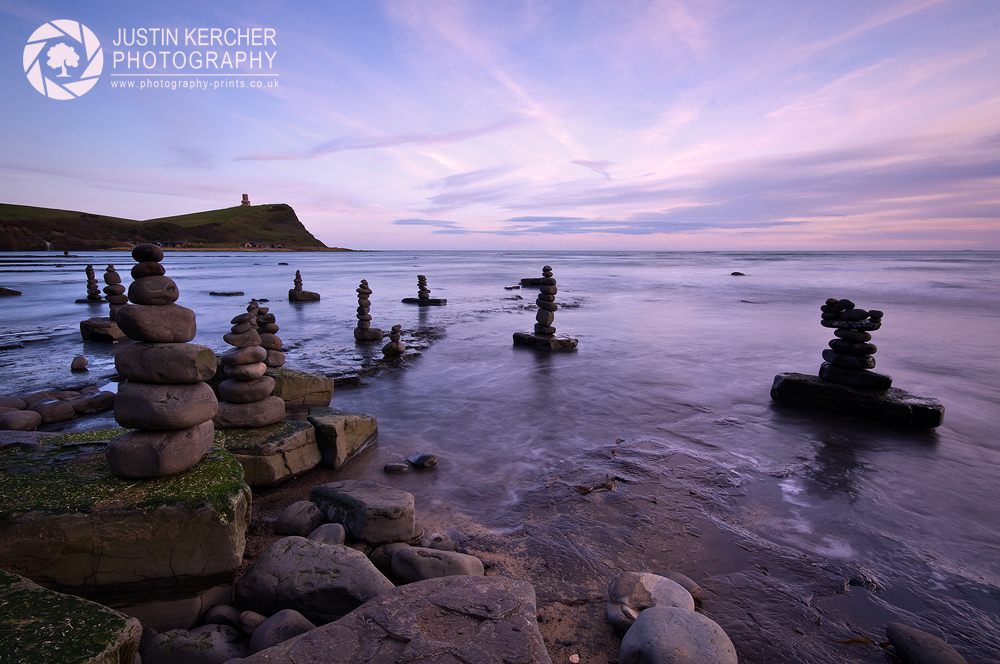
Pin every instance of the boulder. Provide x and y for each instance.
(20, 420)
(147, 454)
(298, 388)
(669, 635)
(633, 592)
(414, 563)
(154, 290)
(245, 391)
(250, 621)
(321, 581)
(245, 371)
(282, 626)
(169, 323)
(481, 619)
(79, 363)
(162, 551)
(371, 512)
(300, 518)
(152, 406)
(255, 414)
(330, 533)
(35, 626)
(165, 363)
(53, 410)
(100, 329)
(238, 356)
(914, 646)
(340, 435)
(273, 453)
(13, 402)
(211, 644)
(93, 403)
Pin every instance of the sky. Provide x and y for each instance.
(467, 124)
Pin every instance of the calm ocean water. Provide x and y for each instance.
(674, 352)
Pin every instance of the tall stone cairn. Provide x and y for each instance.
(395, 347)
(296, 294)
(423, 292)
(364, 331)
(269, 340)
(164, 397)
(114, 291)
(849, 359)
(297, 281)
(546, 303)
(246, 392)
(93, 289)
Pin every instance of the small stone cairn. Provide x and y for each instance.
(395, 347)
(423, 295)
(93, 290)
(849, 359)
(114, 291)
(246, 400)
(296, 294)
(544, 331)
(267, 329)
(364, 331)
(164, 397)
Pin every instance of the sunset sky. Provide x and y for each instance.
(424, 124)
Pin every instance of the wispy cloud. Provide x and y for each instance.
(596, 166)
(437, 223)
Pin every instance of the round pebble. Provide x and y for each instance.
(79, 363)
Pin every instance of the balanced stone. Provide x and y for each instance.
(116, 299)
(147, 454)
(296, 294)
(395, 347)
(93, 290)
(246, 355)
(270, 341)
(244, 391)
(543, 336)
(246, 383)
(165, 363)
(245, 371)
(364, 331)
(423, 297)
(147, 269)
(170, 323)
(248, 338)
(164, 407)
(850, 358)
(153, 290)
(251, 415)
(147, 252)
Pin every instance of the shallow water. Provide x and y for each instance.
(675, 355)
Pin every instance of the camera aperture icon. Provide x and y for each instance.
(63, 59)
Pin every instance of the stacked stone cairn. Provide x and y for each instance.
(296, 294)
(364, 331)
(267, 328)
(246, 400)
(423, 295)
(114, 291)
(849, 359)
(546, 303)
(164, 397)
(395, 346)
(93, 290)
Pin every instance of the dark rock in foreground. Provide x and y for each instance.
(916, 647)
(483, 619)
(893, 406)
(100, 329)
(548, 342)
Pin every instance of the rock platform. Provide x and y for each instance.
(34, 627)
(273, 453)
(548, 342)
(161, 550)
(892, 406)
(300, 390)
(340, 435)
(425, 302)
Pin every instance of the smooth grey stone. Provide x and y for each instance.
(53, 410)
(684, 582)
(168, 407)
(669, 635)
(545, 318)
(20, 420)
(147, 269)
(166, 363)
(210, 644)
(270, 410)
(155, 291)
(328, 533)
(246, 391)
(116, 289)
(849, 361)
(169, 323)
(850, 348)
(269, 328)
(147, 251)
(112, 278)
(843, 305)
(321, 581)
(264, 317)
(244, 340)
(414, 563)
(241, 328)
(282, 626)
(147, 454)
(300, 518)
(914, 646)
(364, 324)
(544, 329)
(92, 403)
(250, 621)
(395, 468)
(545, 298)
(854, 314)
(247, 355)
(364, 316)
(860, 378)
(13, 402)
(270, 341)
(875, 314)
(245, 371)
(549, 290)
(275, 358)
(548, 306)
(381, 556)
(223, 614)
(422, 460)
(79, 363)
(634, 592)
(243, 318)
(370, 334)
(393, 349)
(371, 512)
(852, 336)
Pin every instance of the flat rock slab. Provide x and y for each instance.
(371, 512)
(427, 302)
(893, 406)
(340, 434)
(40, 625)
(482, 619)
(301, 389)
(545, 341)
(273, 453)
(100, 329)
(68, 523)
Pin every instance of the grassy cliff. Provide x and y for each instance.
(26, 228)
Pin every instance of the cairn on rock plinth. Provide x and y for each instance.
(164, 397)
(364, 331)
(423, 295)
(296, 294)
(395, 346)
(269, 340)
(543, 336)
(114, 291)
(245, 397)
(846, 382)
(850, 358)
(93, 290)
(104, 328)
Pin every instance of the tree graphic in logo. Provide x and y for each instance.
(59, 41)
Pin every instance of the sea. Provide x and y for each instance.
(676, 357)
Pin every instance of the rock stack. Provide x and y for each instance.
(93, 290)
(543, 336)
(296, 294)
(849, 359)
(114, 291)
(245, 395)
(364, 331)
(269, 340)
(423, 295)
(164, 397)
(395, 346)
